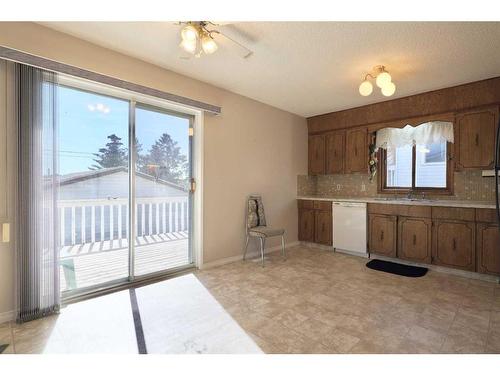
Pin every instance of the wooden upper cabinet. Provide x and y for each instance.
(454, 244)
(316, 153)
(382, 235)
(414, 239)
(323, 227)
(356, 151)
(488, 248)
(475, 139)
(335, 146)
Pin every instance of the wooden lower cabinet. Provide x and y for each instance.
(315, 222)
(382, 231)
(454, 244)
(414, 239)
(306, 225)
(323, 227)
(488, 248)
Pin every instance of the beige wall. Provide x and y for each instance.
(251, 147)
(7, 191)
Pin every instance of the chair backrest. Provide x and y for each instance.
(255, 215)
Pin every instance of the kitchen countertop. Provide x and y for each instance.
(416, 202)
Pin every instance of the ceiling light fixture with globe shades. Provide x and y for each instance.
(382, 79)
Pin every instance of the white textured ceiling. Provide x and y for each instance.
(309, 68)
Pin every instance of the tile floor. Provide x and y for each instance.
(314, 302)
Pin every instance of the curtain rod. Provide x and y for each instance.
(58, 67)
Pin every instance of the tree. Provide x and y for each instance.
(165, 161)
(140, 160)
(113, 155)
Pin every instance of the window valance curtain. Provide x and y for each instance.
(424, 134)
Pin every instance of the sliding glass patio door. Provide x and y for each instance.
(108, 196)
(161, 190)
(93, 194)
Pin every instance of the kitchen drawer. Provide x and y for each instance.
(323, 205)
(486, 215)
(383, 209)
(454, 213)
(305, 204)
(415, 211)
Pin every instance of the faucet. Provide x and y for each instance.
(409, 195)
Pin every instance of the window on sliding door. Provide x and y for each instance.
(103, 202)
(94, 189)
(162, 190)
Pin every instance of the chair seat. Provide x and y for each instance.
(264, 231)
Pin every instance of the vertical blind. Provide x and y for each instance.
(38, 276)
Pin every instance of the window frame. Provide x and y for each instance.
(382, 179)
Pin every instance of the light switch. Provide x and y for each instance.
(6, 232)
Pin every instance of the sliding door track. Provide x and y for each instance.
(69, 297)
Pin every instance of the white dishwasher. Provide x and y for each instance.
(349, 228)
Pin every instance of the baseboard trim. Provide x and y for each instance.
(7, 316)
(250, 255)
(433, 267)
(313, 245)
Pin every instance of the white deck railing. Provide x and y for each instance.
(94, 220)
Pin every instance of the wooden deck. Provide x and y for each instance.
(95, 263)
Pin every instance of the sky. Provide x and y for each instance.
(86, 119)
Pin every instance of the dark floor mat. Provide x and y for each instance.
(396, 268)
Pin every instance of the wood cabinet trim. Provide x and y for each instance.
(454, 213)
(335, 159)
(428, 243)
(484, 263)
(462, 153)
(359, 155)
(316, 153)
(393, 220)
(451, 99)
(471, 266)
(486, 215)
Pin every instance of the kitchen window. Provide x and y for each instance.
(407, 165)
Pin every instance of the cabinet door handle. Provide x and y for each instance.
(477, 139)
(355, 151)
(381, 235)
(414, 240)
(454, 244)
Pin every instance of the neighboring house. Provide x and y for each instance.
(112, 183)
(431, 166)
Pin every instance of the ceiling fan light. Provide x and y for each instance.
(389, 89)
(365, 88)
(189, 45)
(189, 33)
(208, 44)
(383, 79)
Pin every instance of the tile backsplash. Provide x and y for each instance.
(468, 185)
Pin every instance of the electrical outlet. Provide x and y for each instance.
(363, 187)
(339, 187)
